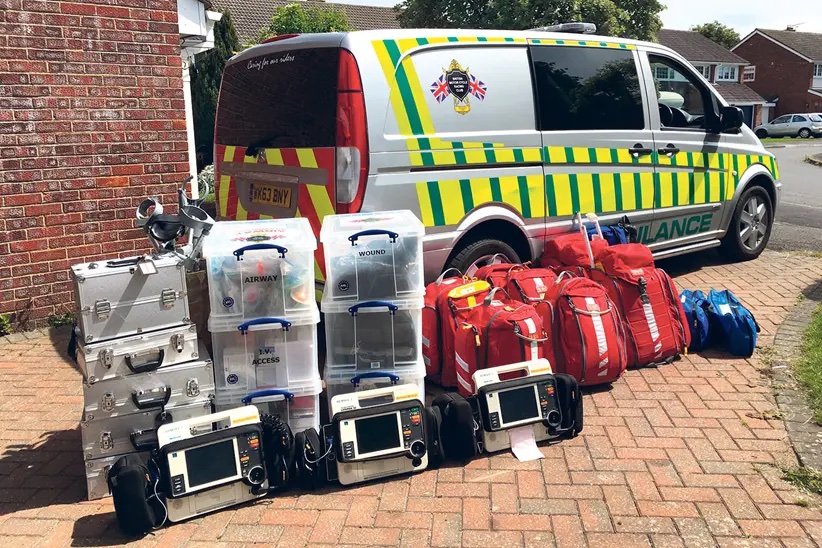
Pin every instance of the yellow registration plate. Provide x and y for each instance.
(270, 195)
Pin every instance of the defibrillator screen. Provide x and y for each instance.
(211, 463)
(518, 404)
(377, 433)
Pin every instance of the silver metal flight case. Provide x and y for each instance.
(168, 387)
(136, 432)
(131, 296)
(138, 354)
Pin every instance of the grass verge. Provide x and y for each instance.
(804, 477)
(808, 367)
(788, 140)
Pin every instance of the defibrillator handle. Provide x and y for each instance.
(268, 393)
(256, 247)
(374, 232)
(392, 308)
(375, 375)
(243, 327)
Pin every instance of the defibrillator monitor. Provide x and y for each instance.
(517, 395)
(378, 433)
(212, 462)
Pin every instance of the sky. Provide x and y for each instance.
(742, 15)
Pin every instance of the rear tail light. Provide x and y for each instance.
(352, 136)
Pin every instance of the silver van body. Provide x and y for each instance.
(495, 139)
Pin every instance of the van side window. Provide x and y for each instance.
(581, 88)
(681, 97)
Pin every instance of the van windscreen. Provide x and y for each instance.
(285, 99)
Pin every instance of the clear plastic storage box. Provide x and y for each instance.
(341, 382)
(260, 269)
(373, 335)
(265, 352)
(299, 403)
(372, 256)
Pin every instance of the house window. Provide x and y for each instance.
(662, 72)
(817, 71)
(726, 73)
(704, 70)
(749, 74)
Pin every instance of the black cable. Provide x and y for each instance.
(278, 449)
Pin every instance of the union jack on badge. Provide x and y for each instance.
(440, 89)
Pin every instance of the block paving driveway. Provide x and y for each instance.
(685, 455)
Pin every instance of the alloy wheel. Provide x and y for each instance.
(753, 223)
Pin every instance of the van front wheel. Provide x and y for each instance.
(751, 225)
(479, 253)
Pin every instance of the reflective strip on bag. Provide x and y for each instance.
(602, 341)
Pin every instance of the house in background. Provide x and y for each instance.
(789, 68)
(250, 16)
(728, 72)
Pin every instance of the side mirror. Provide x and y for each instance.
(730, 118)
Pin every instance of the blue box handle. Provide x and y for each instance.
(243, 327)
(266, 393)
(254, 247)
(374, 232)
(375, 375)
(392, 308)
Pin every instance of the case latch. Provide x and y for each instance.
(192, 388)
(106, 441)
(107, 358)
(178, 342)
(102, 309)
(168, 297)
(107, 402)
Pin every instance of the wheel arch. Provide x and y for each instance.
(756, 175)
(496, 223)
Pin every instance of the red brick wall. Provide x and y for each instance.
(92, 119)
(778, 72)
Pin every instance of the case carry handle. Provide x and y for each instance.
(148, 366)
(373, 232)
(116, 263)
(442, 276)
(255, 247)
(151, 398)
(243, 327)
(538, 364)
(144, 440)
(490, 298)
(392, 308)
(268, 393)
(376, 375)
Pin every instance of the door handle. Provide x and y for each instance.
(669, 150)
(639, 150)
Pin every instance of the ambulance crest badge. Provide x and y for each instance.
(459, 84)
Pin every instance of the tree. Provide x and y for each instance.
(206, 75)
(721, 34)
(625, 18)
(295, 18)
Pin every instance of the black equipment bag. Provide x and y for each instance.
(309, 460)
(569, 400)
(433, 434)
(459, 427)
(131, 487)
(278, 451)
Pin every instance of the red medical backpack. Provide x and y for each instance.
(432, 329)
(453, 309)
(569, 252)
(655, 322)
(497, 274)
(498, 332)
(588, 336)
(531, 286)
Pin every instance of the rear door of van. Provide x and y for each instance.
(290, 134)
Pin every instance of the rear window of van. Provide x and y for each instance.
(285, 99)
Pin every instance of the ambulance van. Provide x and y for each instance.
(494, 139)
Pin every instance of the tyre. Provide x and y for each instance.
(480, 252)
(761, 133)
(804, 133)
(751, 225)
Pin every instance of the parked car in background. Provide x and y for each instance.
(792, 125)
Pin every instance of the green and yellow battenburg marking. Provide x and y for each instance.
(582, 43)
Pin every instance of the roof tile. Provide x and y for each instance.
(808, 44)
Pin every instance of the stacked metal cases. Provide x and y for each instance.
(140, 357)
(373, 301)
(264, 317)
